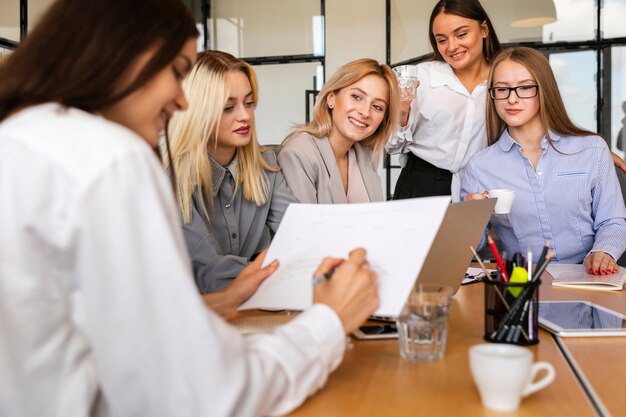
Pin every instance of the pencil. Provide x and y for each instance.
(480, 262)
(496, 255)
(543, 254)
(542, 267)
(324, 277)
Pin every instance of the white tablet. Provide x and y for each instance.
(580, 319)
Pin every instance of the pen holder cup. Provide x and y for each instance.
(511, 312)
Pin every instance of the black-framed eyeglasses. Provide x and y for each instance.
(522, 91)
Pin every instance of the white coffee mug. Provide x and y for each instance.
(504, 374)
(505, 200)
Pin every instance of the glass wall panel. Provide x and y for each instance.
(576, 21)
(36, 9)
(409, 28)
(575, 74)
(10, 19)
(282, 98)
(4, 52)
(613, 15)
(253, 28)
(618, 101)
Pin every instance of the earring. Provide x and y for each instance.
(330, 106)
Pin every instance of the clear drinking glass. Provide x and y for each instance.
(423, 323)
(407, 81)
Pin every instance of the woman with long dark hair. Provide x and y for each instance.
(99, 314)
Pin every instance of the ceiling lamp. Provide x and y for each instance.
(529, 13)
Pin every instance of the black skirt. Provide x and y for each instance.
(422, 179)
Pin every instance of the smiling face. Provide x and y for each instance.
(359, 109)
(459, 40)
(517, 113)
(147, 110)
(237, 121)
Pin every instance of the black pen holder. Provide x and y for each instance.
(511, 311)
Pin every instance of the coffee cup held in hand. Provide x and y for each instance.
(505, 200)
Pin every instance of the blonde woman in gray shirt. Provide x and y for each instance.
(334, 158)
(229, 188)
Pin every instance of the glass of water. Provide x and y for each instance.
(407, 81)
(423, 323)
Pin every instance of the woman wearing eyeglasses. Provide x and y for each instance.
(566, 188)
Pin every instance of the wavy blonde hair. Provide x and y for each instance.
(345, 76)
(194, 131)
(552, 111)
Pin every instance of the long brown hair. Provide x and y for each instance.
(194, 132)
(468, 9)
(551, 108)
(345, 76)
(79, 50)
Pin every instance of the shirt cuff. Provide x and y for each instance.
(327, 330)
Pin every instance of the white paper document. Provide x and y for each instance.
(396, 234)
(576, 276)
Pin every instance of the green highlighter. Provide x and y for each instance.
(518, 276)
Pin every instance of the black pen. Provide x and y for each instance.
(325, 276)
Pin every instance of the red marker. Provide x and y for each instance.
(496, 255)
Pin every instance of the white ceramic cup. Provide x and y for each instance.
(505, 200)
(504, 374)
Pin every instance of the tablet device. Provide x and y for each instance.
(580, 319)
(376, 331)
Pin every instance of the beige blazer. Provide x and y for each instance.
(310, 169)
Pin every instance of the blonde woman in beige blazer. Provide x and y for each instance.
(333, 159)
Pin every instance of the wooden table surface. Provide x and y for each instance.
(374, 381)
(600, 360)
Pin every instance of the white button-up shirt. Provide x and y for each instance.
(99, 314)
(446, 124)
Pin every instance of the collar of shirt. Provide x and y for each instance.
(219, 172)
(506, 141)
(442, 74)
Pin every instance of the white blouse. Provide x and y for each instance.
(99, 314)
(446, 124)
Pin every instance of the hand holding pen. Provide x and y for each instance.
(350, 290)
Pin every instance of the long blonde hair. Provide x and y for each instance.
(345, 76)
(192, 133)
(552, 111)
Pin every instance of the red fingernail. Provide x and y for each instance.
(590, 271)
(604, 271)
(596, 272)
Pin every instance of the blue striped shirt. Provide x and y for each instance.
(572, 198)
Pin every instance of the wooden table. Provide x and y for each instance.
(599, 361)
(374, 381)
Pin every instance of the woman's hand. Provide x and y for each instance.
(351, 292)
(405, 103)
(600, 263)
(476, 196)
(405, 110)
(226, 301)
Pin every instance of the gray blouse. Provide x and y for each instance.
(220, 246)
(311, 170)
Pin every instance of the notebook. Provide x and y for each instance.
(449, 256)
(576, 276)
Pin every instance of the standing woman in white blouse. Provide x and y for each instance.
(334, 158)
(445, 124)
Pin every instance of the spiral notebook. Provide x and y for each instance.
(576, 276)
